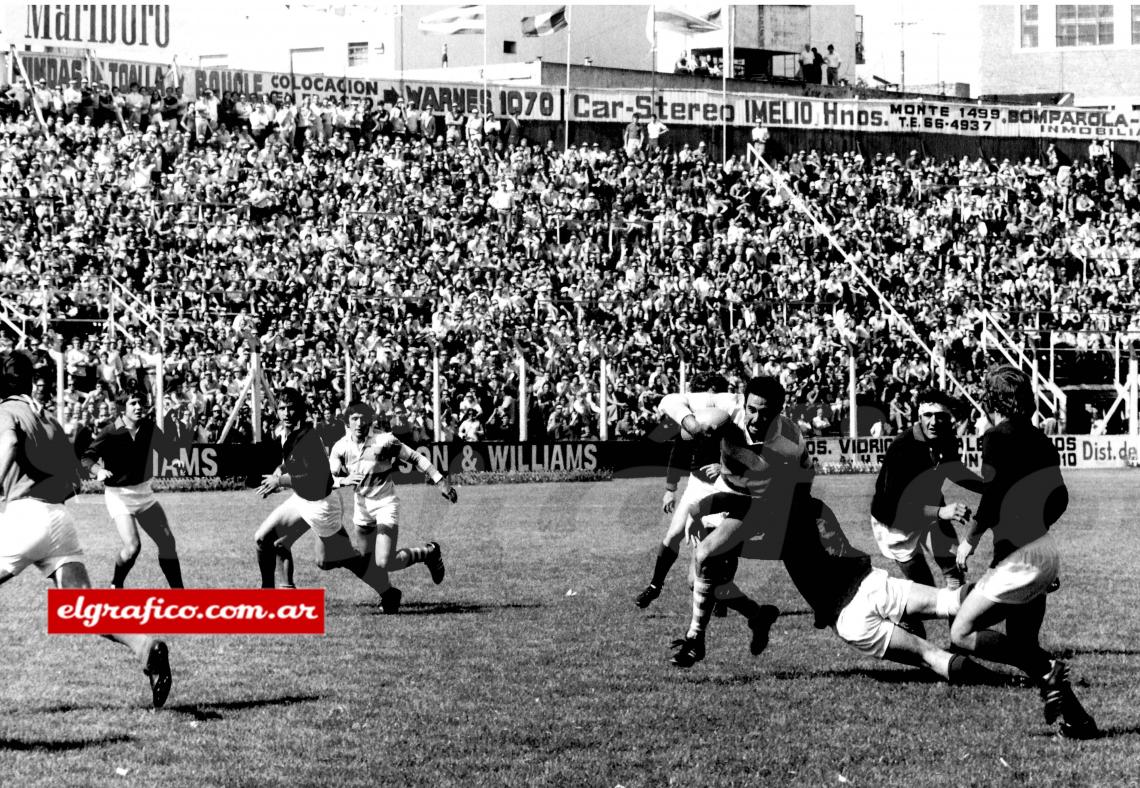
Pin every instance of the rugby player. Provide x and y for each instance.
(366, 462)
(120, 457)
(1023, 496)
(38, 473)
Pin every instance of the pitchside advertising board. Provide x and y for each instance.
(626, 459)
(602, 105)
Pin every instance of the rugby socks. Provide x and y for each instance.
(744, 605)
(963, 670)
(172, 570)
(997, 647)
(666, 557)
(703, 599)
(947, 602)
(122, 569)
(916, 569)
(416, 555)
(267, 563)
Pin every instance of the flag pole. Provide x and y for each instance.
(483, 97)
(566, 98)
(653, 64)
(724, 84)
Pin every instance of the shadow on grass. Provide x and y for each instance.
(902, 676)
(207, 712)
(1115, 732)
(61, 746)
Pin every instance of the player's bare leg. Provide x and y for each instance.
(153, 521)
(281, 522)
(128, 530)
(151, 652)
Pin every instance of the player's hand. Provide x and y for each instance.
(668, 502)
(353, 479)
(447, 491)
(695, 530)
(268, 485)
(693, 426)
(712, 470)
(956, 513)
(103, 475)
(965, 550)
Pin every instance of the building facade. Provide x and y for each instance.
(1089, 51)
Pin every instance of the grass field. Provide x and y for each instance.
(530, 665)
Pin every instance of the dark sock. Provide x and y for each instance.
(172, 570)
(267, 564)
(122, 569)
(964, 670)
(917, 570)
(996, 647)
(949, 567)
(666, 557)
(417, 555)
(745, 606)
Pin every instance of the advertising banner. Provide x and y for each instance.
(699, 107)
(626, 459)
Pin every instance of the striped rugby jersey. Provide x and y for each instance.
(778, 466)
(376, 457)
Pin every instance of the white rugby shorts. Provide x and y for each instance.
(129, 499)
(1024, 575)
(322, 516)
(696, 490)
(904, 544)
(384, 511)
(35, 532)
(868, 621)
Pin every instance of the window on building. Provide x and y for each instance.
(1084, 25)
(357, 53)
(1029, 38)
(1136, 24)
(508, 47)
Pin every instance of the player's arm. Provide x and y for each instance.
(8, 443)
(338, 467)
(407, 454)
(680, 407)
(995, 485)
(272, 482)
(94, 458)
(679, 456)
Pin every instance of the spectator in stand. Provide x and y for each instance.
(632, 135)
(654, 130)
(833, 63)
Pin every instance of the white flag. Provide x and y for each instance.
(456, 21)
(673, 18)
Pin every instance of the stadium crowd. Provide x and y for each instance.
(328, 230)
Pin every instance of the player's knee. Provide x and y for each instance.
(959, 634)
(265, 541)
(131, 549)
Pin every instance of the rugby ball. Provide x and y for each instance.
(712, 419)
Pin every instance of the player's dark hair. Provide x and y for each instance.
(935, 397)
(297, 400)
(130, 392)
(769, 388)
(710, 381)
(363, 408)
(16, 373)
(1008, 392)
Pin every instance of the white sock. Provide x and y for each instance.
(947, 602)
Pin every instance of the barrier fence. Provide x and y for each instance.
(625, 459)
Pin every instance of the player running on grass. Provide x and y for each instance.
(703, 460)
(366, 462)
(313, 504)
(38, 473)
(120, 456)
(764, 492)
(1023, 496)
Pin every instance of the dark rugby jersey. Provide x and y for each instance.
(1024, 492)
(912, 474)
(129, 459)
(691, 455)
(45, 467)
(823, 565)
(307, 464)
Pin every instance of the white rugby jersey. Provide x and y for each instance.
(376, 457)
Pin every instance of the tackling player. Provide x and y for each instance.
(120, 456)
(765, 492)
(1023, 496)
(908, 510)
(366, 463)
(313, 504)
(38, 473)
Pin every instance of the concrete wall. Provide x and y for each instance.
(1097, 76)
